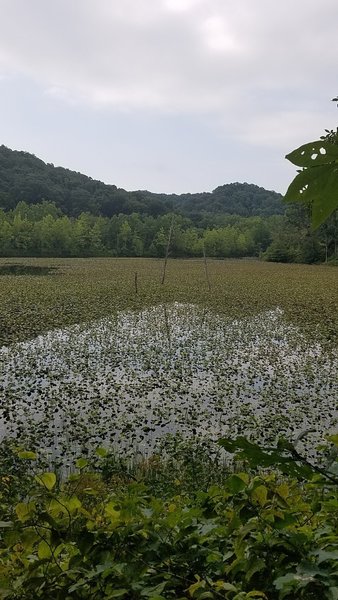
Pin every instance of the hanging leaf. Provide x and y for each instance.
(114, 515)
(299, 189)
(260, 494)
(44, 551)
(81, 463)
(256, 456)
(333, 438)
(24, 511)
(323, 556)
(200, 583)
(325, 197)
(102, 452)
(235, 484)
(48, 480)
(320, 152)
(317, 183)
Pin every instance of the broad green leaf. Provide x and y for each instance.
(235, 484)
(283, 490)
(334, 593)
(320, 152)
(79, 584)
(44, 551)
(113, 514)
(81, 463)
(293, 580)
(6, 524)
(266, 457)
(27, 455)
(200, 583)
(153, 591)
(284, 520)
(323, 556)
(260, 494)
(285, 581)
(73, 504)
(258, 564)
(102, 452)
(48, 480)
(298, 190)
(224, 585)
(57, 508)
(318, 187)
(244, 477)
(333, 439)
(317, 183)
(324, 195)
(24, 511)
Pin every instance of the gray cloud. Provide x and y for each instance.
(155, 54)
(261, 72)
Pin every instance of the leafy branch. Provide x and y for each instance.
(317, 181)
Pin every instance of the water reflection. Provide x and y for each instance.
(129, 380)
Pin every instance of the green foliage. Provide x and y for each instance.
(84, 290)
(281, 458)
(23, 176)
(40, 230)
(256, 534)
(30, 231)
(279, 251)
(317, 183)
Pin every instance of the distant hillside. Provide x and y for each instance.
(24, 177)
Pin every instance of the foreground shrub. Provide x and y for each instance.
(259, 533)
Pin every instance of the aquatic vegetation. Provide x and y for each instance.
(132, 380)
(83, 290)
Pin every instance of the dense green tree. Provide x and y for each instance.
(328, 236)
(22, 235)
(6, 238)
(41, 230)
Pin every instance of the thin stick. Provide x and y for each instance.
(135, 281)
(167, 327)
(206, 268)
(167, 249)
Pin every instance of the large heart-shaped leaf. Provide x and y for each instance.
(317, 186)
(320, 152)
(48, 480)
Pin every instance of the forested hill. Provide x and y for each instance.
(24, 177)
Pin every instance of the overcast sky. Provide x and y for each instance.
(168, 95)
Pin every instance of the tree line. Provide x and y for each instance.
(44, 230)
